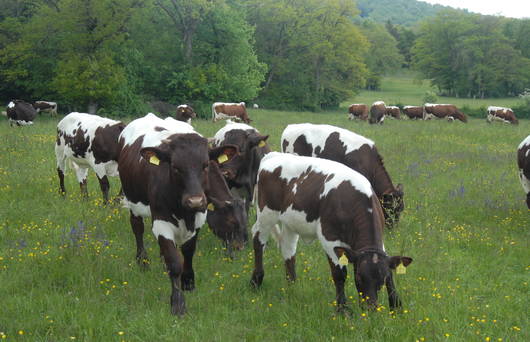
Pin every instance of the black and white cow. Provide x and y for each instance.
(20, 113)
(166, 174)
(87, 141)
(352, 150)
(185, 113)
(321, 199)
(46, 106)
(523, 161)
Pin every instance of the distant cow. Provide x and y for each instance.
(442, 111)
(358, 111)
(377, 112)
(46, 106)
(255, 106)
(236, 111)
(523, 161)
(414, 112)
(88, 141)
(166, 174)
(21, 113)
(352, 150)
(321, 199)
(393, 112)
(185, 113)
(501, 114)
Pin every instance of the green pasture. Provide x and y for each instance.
(67, 268)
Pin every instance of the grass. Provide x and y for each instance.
(67, 269)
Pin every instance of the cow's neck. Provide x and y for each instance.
(381, 181)
(370, 229)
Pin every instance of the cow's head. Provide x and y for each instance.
(186, 156)
(393, 205)
(372, 269)
(185, 112)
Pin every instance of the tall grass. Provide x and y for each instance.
(67, 269)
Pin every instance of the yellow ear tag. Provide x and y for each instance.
(400, 269)
(211, 207)
(222, 158)
(261, 143)
(343, 260)
(154, 160)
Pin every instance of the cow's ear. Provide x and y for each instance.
(223, 153)
(257, 140)
(154, 155)
(394, 261)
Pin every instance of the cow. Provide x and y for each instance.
(166, 174)
(242, 170)
(20, 113)
(358, 111)
(88, 141)
(441, 111)
(393, 112)
(255, 106)
(185, 113)
(377, 112)
(414, 112)
(523, 161)
(321, 199)
(352, 150)
(501, 114)
(46, 106)
(236, 111)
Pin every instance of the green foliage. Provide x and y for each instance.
(430, 97)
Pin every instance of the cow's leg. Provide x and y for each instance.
(393, 298)
(81, 174)
(173, 262)
(339, 274)
(188, 276)
(137, 224)
(62, 189)
(288, 243)
(105, 186)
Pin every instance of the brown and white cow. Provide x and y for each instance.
(377, 112)
(414, 112)
(501, 114)
(321, 199)
(358, 111)
(353, 150)
(443, 111)
(523, 161)
(46, 106)
(20, 113)
(393, 112)
(185, 113)
(88, 141)
(166, 174)
(236, 111)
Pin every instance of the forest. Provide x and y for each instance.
(116, 56)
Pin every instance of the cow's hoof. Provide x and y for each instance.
(343, 309)
(178, 305)
(257, 279)
(143, 262)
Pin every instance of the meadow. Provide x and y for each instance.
(67, 268)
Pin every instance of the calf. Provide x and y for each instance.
(377, 112)
(523, 161)
(325, 200)
(358, 111)
(501, 114)
(236, 111)
(185, 113)
(45, 106)
(352, 150)
(88, 141)
(393, 112)
(21, 113)
(167, 174)
(442, 111)
(414, 112)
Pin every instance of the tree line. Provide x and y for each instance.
(117, 55)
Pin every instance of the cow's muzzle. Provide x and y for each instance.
(197, 202)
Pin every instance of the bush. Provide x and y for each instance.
(430, 97)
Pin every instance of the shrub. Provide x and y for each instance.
(430, 97)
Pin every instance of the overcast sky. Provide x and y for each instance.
(507, 8)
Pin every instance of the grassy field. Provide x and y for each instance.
(67, 269)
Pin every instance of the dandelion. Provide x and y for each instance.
(120, 333)
(21, 332)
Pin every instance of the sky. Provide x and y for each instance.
(507, 8)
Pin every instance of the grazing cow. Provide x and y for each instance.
(21, 113)
(442, 111)
(393, 112)
(88, 141)
(523, 161)
(236, 111)
(185, 113)
(45, 106)
(414, 112)
(501, 114)
(358, 111)
(377, 112)
(352, 150)
(321, 199)
(242, 170)
(166, 173)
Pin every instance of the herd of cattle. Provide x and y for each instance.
(328, 183)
